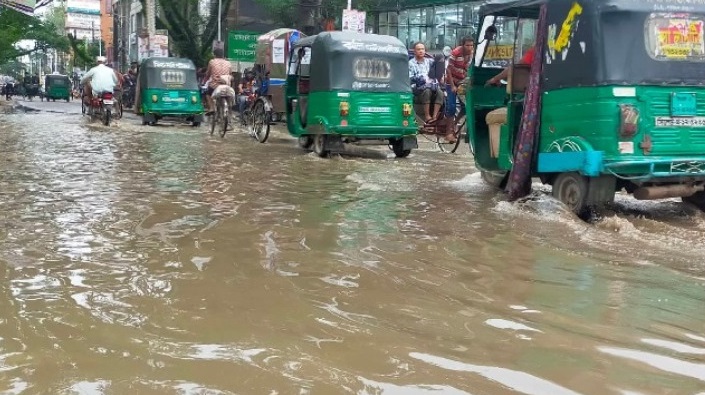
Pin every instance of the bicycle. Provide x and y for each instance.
(222, 96)
(437, 132)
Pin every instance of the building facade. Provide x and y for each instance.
(436, 23)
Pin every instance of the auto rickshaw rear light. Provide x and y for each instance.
(405, 123)
(155, 98)
(629, 121)
(406, 109)
(194, 99)
(344, 109)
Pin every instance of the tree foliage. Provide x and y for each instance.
(191, 36)
(17, 26)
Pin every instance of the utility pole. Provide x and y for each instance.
(220, 18)
(151, 23)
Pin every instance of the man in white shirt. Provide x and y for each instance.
(102, 79)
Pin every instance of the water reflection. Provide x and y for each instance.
(159, 260)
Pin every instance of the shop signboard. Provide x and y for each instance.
(83, 7)
(242, 45)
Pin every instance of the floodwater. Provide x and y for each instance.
(165, 261)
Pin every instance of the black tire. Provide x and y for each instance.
(144, 121)
(226, 121)
(214, 121)
(319, 143)
(106, 117)
(697, 199)
(305, 141)
(572, 190)
(83, 107)
(68, 99)
(398, 148)
(494, 179)
(260, 122)
(195, 124)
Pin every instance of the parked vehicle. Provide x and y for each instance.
(168, 87)
(345, 87)
(614, 99)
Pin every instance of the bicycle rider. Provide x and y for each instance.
(218, 67)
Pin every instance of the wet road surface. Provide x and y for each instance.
(160, 260)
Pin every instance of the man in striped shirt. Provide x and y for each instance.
(457, 71)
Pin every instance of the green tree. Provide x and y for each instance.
(190, 35)
(17, 26)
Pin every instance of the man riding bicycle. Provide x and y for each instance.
(217, 73)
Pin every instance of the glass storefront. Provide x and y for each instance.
(436, 26)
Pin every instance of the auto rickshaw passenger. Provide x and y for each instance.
(425, 89)
(102, 79)
(245, 93)
(217, 68)
(528, 58)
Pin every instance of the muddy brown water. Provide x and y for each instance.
(165, 261)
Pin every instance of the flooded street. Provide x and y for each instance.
(161, 260)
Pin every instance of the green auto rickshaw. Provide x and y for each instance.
(166, 88)
(57, 86)
(612, 99)
(345, 87)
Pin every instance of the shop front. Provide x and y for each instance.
(436, 23)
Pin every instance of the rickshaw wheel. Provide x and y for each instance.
(398, 148)
(305, 141)
(697, 200)
(319, 144)
(572, 190)
(260, 122)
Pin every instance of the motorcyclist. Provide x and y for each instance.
(217, 73)
(98, 80)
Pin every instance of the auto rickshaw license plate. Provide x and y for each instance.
(683, 105)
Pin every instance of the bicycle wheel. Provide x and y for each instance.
(459, 130)
(260, 124)
(214, 120)
(224, 115)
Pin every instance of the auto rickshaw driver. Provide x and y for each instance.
(218, 68)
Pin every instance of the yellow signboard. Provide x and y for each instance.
(499, 52)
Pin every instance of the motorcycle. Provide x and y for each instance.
(128, 94)
(101, 107)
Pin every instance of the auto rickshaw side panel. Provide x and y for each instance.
(625, 67)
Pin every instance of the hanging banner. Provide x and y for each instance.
(354, 21)
(23, 6)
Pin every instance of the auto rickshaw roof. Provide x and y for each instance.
(171, 63)
(530, 8)
(353, 42)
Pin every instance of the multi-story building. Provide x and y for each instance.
(436, 23)
(106, 28)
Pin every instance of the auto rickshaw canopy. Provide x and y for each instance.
(616, 42)
(168, 73)
(356, 61)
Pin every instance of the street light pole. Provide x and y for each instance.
(220, 10)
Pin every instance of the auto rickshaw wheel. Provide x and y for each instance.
(494, 179)
(572, 190)
(697, 199)
(305, 141)
(398, 148)
(319, 145)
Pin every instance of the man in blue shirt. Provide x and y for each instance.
(422, 84)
